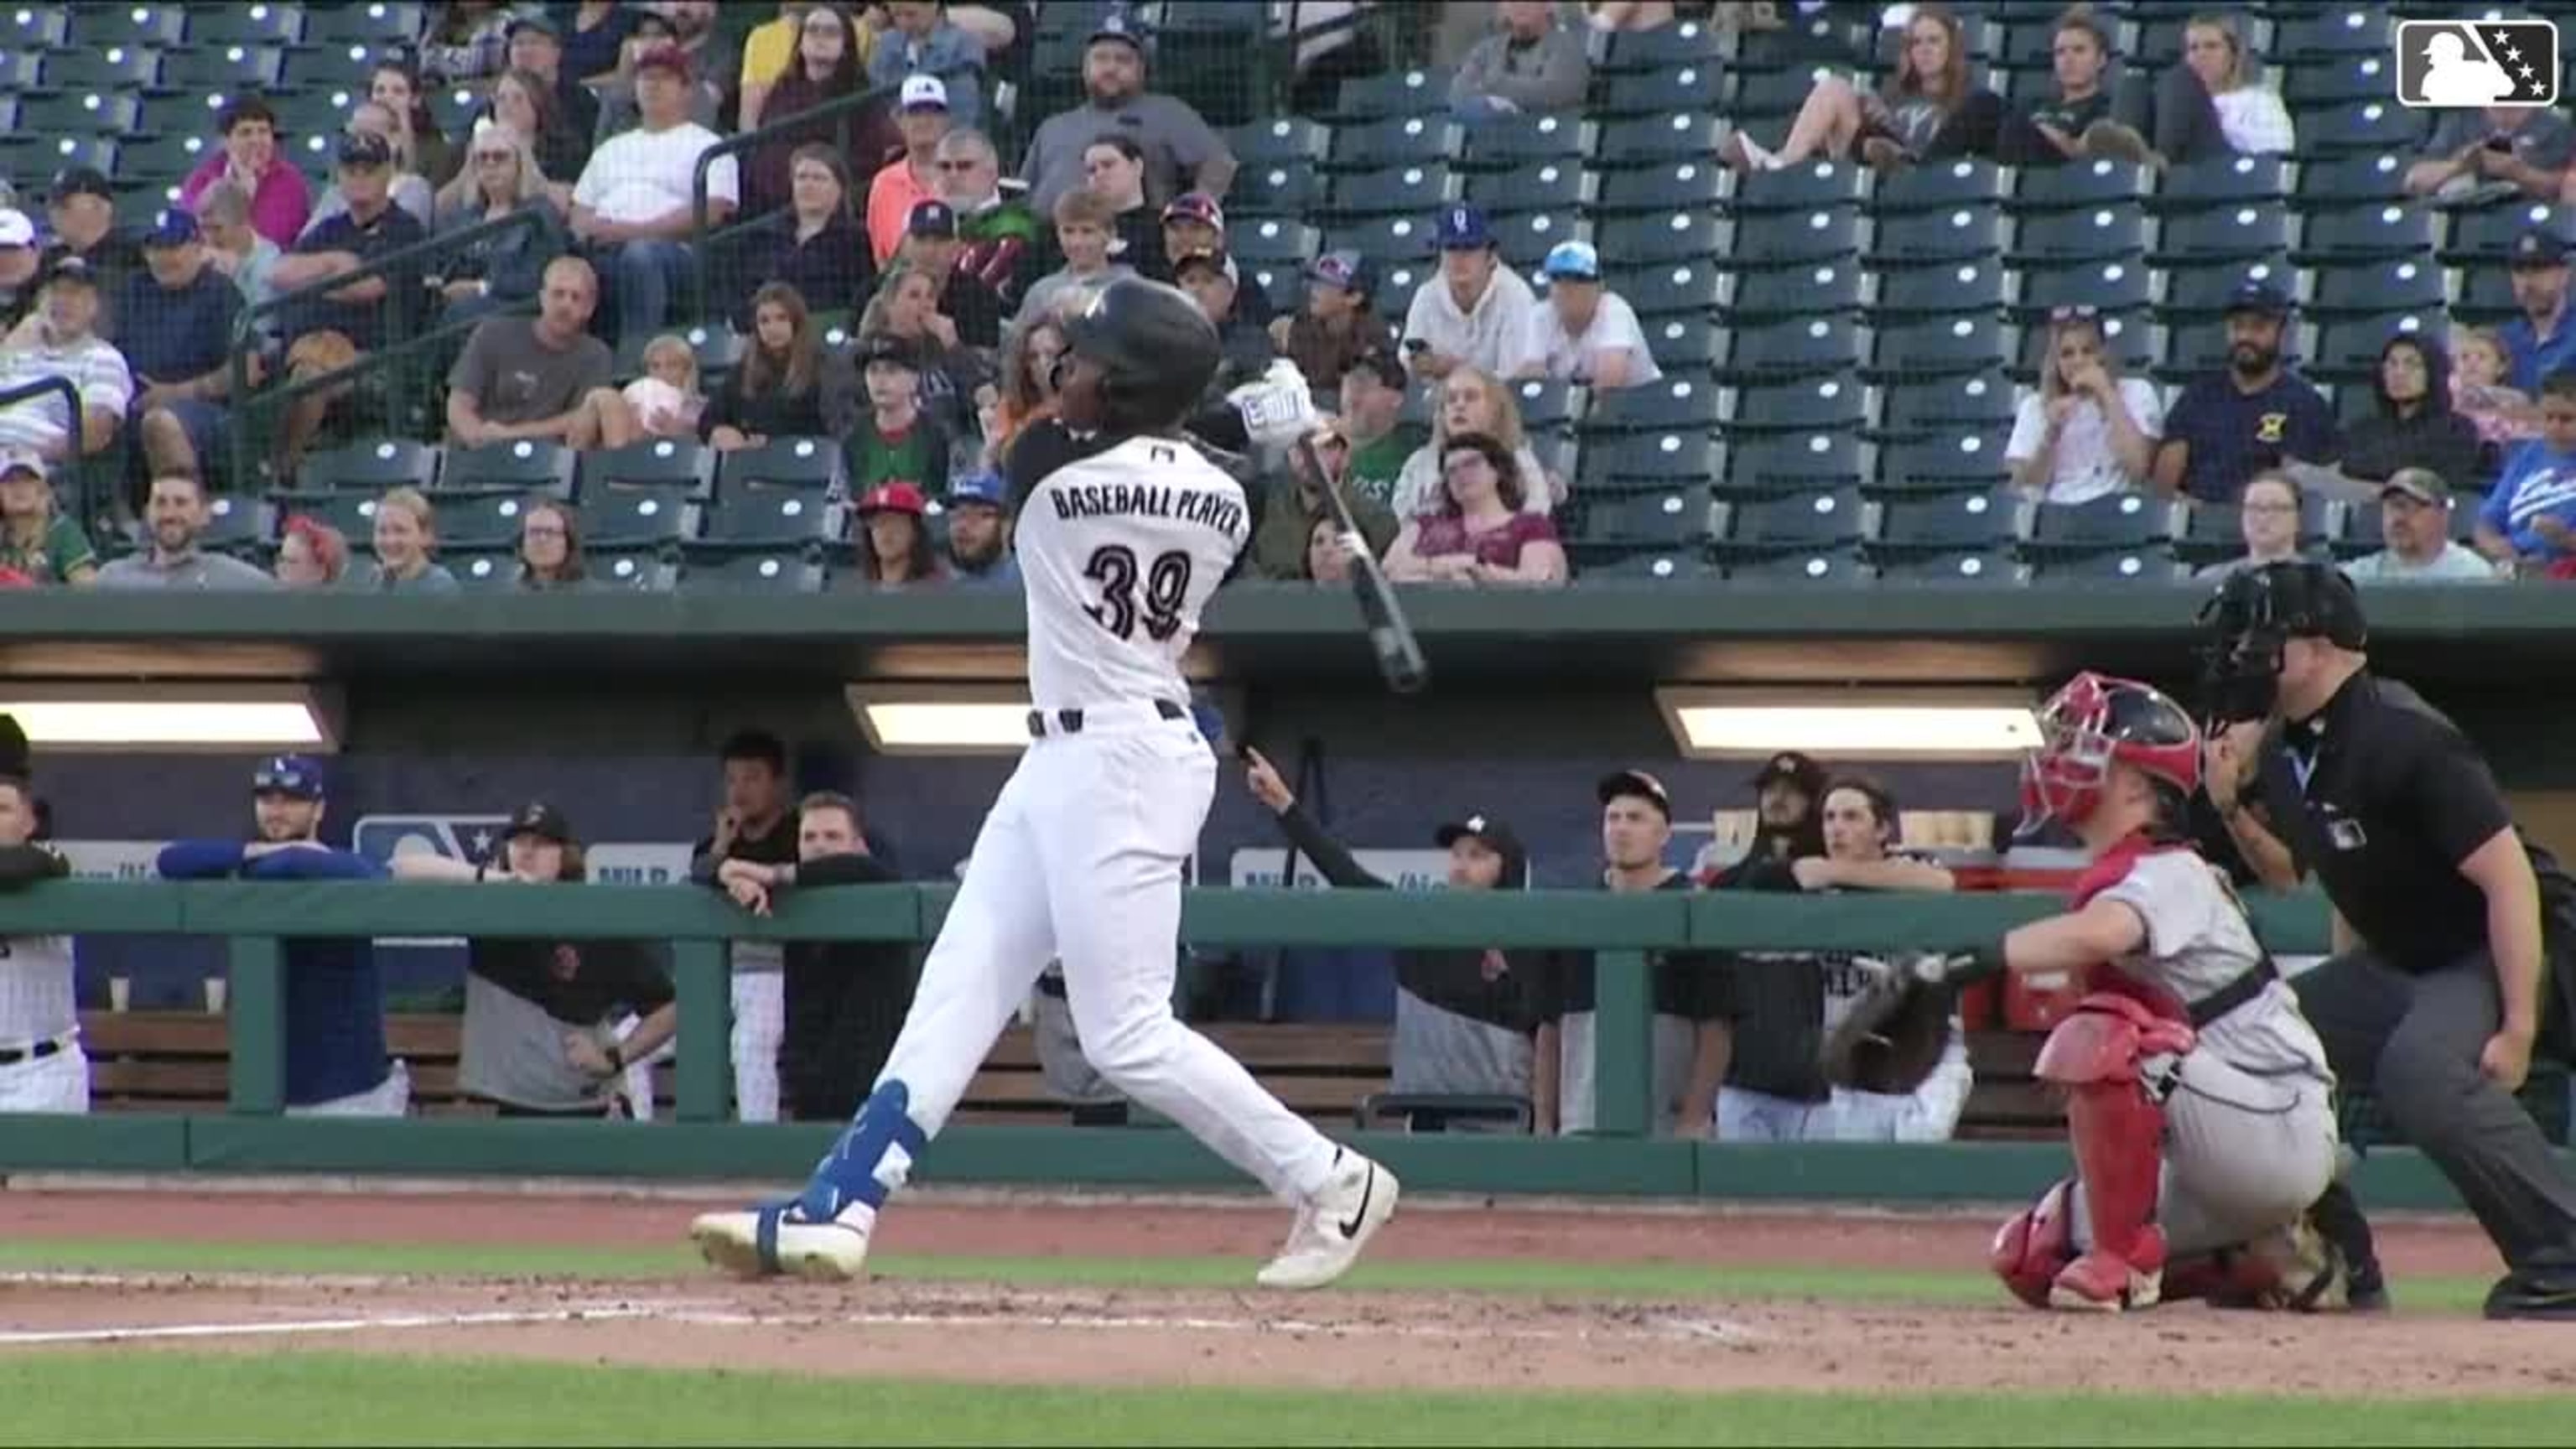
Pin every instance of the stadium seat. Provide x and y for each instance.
(1679, 236)
(229, 67)
(1280, 141)
(18, 71)
(2486, 297)
(644, 570)
(1816, 185)
(2191, 349)
(377, 20)
(1670, 186)
(1764, 464)
(764, 517)
(1831, 568)
(34, 28)
(353, 514)
(2153, 564)
(636, 515)
(1274, 240)
(2485, 236)
(1685, 345)
(2376, 125)
(371, 467)
(1987, 566)
(2230, 181)
(660, 462)
(1525, 238)
(454, 108)
(1669, 404)
(1927, 407)
(2334, 33)
(1899, 293)
(2352, 180)
(1761, 98)
(1828, 519)
(1396, 141)
(1661, 92)
(1799, 347)
(1940, 345)
(2078, 186)
(1396, 284)
(232, 522)
(119, 68)
(2223, 233)
(1945, 186)
(1944, 462)
(1274, 189)
(1814, 404)
(1547, 404)
(334, 64)
(161, 158)
(1661, 566)
(2339, 81)
(1656, 140)
(1520, 140)
(1977, 522)
(524, 464)
(1407, 190)
(482, 571)
(2119, 521)
(1553, 186)
(1686, 43)
(486, 520)
(1648, 462)
(750, 571)
(2120, 285)
(2348, 351)
(1691, 288)
(46, 117)
(1793, 238)
(280, 24)
(2098, 233)
(1833, 285)
(1671, 520)
(1387, 240)
(813, 464)
(1961, 233)
(2203, 289)
(2405, 283)
(2364, 231)
(1390, 93)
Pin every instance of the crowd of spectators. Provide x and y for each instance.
(892, 279)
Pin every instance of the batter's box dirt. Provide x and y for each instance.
(966, 1332)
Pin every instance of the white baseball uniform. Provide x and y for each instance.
(2250, 1124)
(38, 1014)
(1082, 855)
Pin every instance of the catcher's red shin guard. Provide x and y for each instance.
(2117, 1131)
(2035, 1244)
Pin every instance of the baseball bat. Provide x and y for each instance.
(1399, 654)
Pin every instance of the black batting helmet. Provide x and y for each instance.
(1156, 350)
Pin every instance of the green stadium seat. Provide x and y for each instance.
(1553, 186)
(1391, 93)
(1965, 231)
(808, 463)
(224, 67)
(1668, 237)
(1661, 92)
(1760, 465)
(101, 26)
(524, 465)
(1685, 288)
(1928, 407)
(2230, 181)
(1670, 404)
(763, 517)
(2120, 521)
(2481, 239)
(233, 522)
(1963, 457)
(641, 570)
(2401, 284)
(2113, 229)
(2149, 565)
(84, 115)
(1648, 565)
(1654, 140)
(19, 69)
(1519, 140)
(1809, 405)
(2111, 287)
(681, 463)
(34, 27)
(1669, 187)
(336, 63)
(396, 22)
(2364, 231)
(1648, 462)
(2342, 80)
(750, 571)
(1826, 568)
(483, 570)
(1405, 190)
(636, 515)
(1906, 293)
(1764, 98)
(480, 520)
(371, 466)
(117, 68)
(1965, 343)
(1796, 347)
(2353, 179)
(2371, 125)
(1965, 567)
(1395, 141)
(261, 24)
(1978, 521)
(1684, 43)
(1524, 238)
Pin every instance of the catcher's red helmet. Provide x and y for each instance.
(2095, 720)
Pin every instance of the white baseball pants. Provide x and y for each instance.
(58, 1083)
(388, 1098)
(759, 1021)
(1081, 859)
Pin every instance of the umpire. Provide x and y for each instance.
(2455, 938)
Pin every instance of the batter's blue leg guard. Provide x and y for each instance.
(850, 1172)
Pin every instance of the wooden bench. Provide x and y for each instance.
(178, 1061)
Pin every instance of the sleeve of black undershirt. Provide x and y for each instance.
(1039, 450)
(2451, 794)
(633, 972)
(26, 864)
(1330, 856)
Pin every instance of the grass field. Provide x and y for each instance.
(327, 1398)
(312, 1390)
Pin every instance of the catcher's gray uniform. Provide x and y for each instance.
(2250, 1125)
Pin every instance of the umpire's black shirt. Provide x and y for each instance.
(2382, 797)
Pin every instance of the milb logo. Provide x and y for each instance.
(2456, 65)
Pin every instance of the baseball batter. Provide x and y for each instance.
(1125, 531)
(2199, 1101)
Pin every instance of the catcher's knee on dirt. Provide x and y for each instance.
(2117, 1059)
(2035, 1243)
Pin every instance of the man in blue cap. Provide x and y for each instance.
(979, 533)
(1588, 335)
(174, 323)
(2254, 416)
(336, 1064)
(2539, 342)
(1476, 312)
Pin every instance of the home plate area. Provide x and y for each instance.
(1194, 1337)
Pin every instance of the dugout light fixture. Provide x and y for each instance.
(1858, 724)
(942, 719)
(230, 718)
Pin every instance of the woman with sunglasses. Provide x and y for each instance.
(2087, 432)
(500, 179)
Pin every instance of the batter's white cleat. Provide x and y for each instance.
(1335, 1225)
(826, 1252)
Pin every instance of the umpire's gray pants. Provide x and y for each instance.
(2414, 1042)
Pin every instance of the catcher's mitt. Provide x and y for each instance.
(1896, 1032)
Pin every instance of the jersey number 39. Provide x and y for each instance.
(1166, 581)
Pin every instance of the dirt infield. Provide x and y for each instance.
(914, 1329)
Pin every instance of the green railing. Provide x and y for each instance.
(399, 351)
(260, 916)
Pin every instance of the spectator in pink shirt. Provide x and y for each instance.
(1477, 533)
(280, 202)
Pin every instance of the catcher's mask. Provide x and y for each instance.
(2091, 723)
(2250, 620)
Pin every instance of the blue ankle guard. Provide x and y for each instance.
(848, 1173)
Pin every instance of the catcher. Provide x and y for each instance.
(2200, 1105)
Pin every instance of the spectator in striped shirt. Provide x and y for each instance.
(42, 1068)
(336, 1063)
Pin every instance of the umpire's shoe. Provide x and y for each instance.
(2543, 1287)
(1334, 1225)
(779, 1238)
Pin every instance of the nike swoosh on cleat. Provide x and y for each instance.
(1351, 1227)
